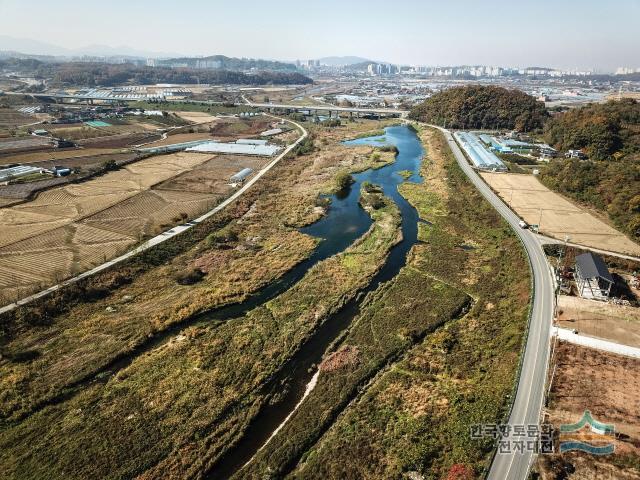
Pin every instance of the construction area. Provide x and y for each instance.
(555, 216)
(616, 323)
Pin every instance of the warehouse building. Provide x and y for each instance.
(592, 277)
(236, 148)
(480, 157)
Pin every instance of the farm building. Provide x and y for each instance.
(507, 145)
(251, 141)
(480, 157)
(12, 173)
(241, 176)
(174, 147)
(270, 133)
(236, 148)
(592, 277)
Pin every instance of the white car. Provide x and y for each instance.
(523, 224)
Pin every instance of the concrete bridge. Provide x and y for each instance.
(314, 109)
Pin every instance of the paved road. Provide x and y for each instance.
(592, 342)
(163, 237)
(528, 402)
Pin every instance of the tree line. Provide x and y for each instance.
(610, 135)
(109, 75)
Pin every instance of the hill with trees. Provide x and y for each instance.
(610, 181)
(109, 75)
(478, 106)
(600, 130)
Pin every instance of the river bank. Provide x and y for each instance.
(416, 415)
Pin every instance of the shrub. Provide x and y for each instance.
(222, 236)
(110, 165)
(343, 180)
(189, 276)
(369, 187)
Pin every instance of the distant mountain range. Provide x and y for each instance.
(343, 61)
(36, 47)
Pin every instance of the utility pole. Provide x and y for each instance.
(540, 220)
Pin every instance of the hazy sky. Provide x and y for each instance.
(558, 33)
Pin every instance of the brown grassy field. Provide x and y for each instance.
(36, 157)
(189, 382)
(84, 339)
(196, 117)
(607, 385)
(557, 216)
(77, 226)
(12, 118)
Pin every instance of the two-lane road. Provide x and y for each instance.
(527, 405)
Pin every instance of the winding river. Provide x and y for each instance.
(345, 222)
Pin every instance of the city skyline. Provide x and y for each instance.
(567, 35)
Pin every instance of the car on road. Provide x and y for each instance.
(523, 224)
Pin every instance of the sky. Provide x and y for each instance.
(583, 34)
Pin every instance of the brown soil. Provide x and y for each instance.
(345, 356)
(620, 324)
(607, 385)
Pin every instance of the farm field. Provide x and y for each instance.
(557, 216)
(196, 117)
(77, 226)
(24, 143)
(122, 140)
(55, 154)
(607, 385)
(617, 323)
(12, 118)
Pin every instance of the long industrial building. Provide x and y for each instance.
(237, 148)
(477, 153)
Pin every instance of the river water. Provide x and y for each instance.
(344, 222)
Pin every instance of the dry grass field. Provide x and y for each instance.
(12, 118)
(557, 216)
(196, 117)
(57, 155)
(72, 228)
